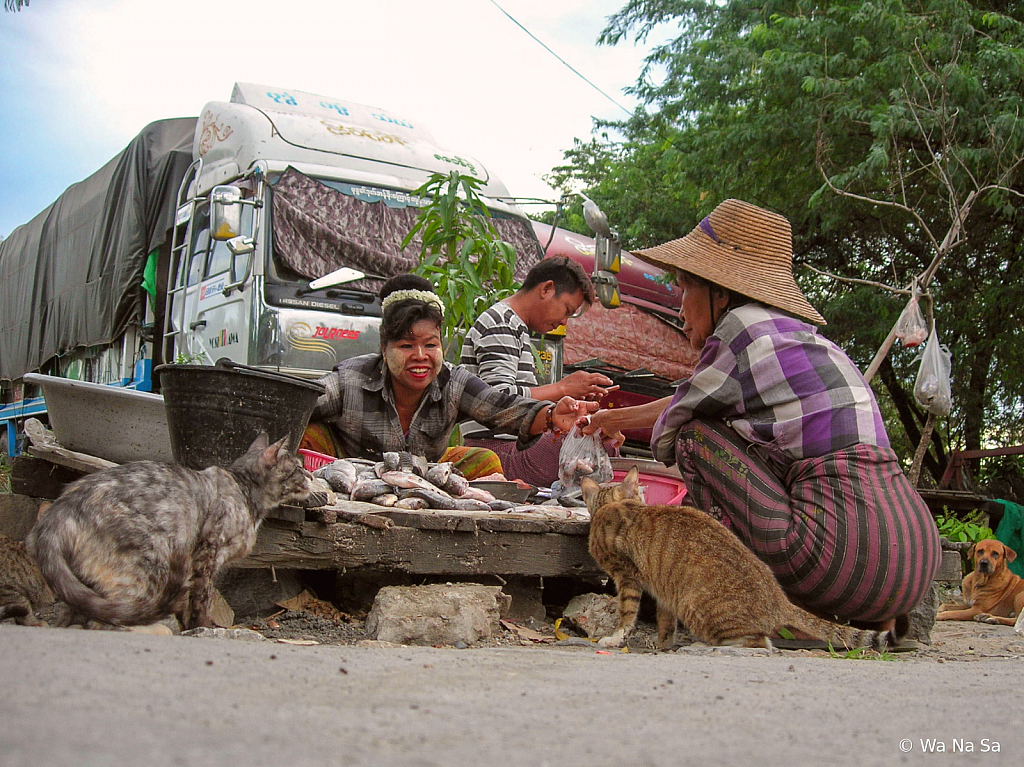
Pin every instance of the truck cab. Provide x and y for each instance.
(289, 220)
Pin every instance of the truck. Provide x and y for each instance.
(260, 231)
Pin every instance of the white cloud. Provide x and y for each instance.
(78, 80)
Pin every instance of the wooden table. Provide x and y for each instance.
(354, 536)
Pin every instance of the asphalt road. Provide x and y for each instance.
(110, 698)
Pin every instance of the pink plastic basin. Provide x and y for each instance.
(658, 490)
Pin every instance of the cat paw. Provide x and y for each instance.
(610, 641)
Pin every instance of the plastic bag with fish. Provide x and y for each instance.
(582, 455)
(910, 327)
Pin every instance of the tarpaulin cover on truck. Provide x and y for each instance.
(320, 228)
(72, 276)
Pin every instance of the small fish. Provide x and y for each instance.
(499, 505)
(368, 489)
(477, 494)
(439, 473)
(470, 504)
(387, 499)
(420, 465)
(407, 479)
(435, 498)
(412, 503)
(340, 475)
(456, 484)
(572, 502)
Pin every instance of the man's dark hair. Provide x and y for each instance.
(567, 275)
(400, 316)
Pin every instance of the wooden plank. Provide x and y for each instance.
(87, 464)
(40, 478)
(346, 546)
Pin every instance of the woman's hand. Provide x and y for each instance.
(602, 421)
(568, 411)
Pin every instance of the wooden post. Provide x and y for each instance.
(922, 448)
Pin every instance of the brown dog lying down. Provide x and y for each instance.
(992, 594)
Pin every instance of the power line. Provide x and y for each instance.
(566, 63)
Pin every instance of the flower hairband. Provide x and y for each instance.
(413, 294)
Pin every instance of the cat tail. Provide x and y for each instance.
(69, 588)
(847, 636)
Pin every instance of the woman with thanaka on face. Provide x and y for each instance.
(407, 398)
(778, 435)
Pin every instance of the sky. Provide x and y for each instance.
(80, 78)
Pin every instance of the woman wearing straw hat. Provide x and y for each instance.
(778, 435)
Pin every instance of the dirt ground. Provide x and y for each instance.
(307, 620)
(320, 623)
(951, 640)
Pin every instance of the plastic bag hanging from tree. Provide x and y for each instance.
(910, 327)
(932, 389)
(582, 455)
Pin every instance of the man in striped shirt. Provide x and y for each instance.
(498, 350)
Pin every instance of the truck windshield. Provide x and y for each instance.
(320, 226)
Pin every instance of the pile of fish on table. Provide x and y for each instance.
(407, 481)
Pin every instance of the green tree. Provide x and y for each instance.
(15, 5)
(888, 133)
(461, 253)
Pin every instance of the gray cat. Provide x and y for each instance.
(139, 542)
(22, 588)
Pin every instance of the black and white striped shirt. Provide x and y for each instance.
(498, 350)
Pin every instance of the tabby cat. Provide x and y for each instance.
(699, 572)
(139, 542)
(23, 591)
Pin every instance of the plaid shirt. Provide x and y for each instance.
(777, 383)
(360, 405)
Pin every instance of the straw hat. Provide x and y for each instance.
(743, 248)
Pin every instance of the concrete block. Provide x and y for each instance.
(950, 569)
(596, 615)
(437, 614)
(922, 617)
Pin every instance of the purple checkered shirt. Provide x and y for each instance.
(777, 383)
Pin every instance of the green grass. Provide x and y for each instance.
(862, 653)
(5, 474)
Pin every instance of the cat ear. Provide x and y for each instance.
(260, 443)
(282, 446)
(273, 453)
(589, 488)
(630, 481)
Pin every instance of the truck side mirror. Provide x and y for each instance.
(608, 254)
(225, 212)
(606, 285)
